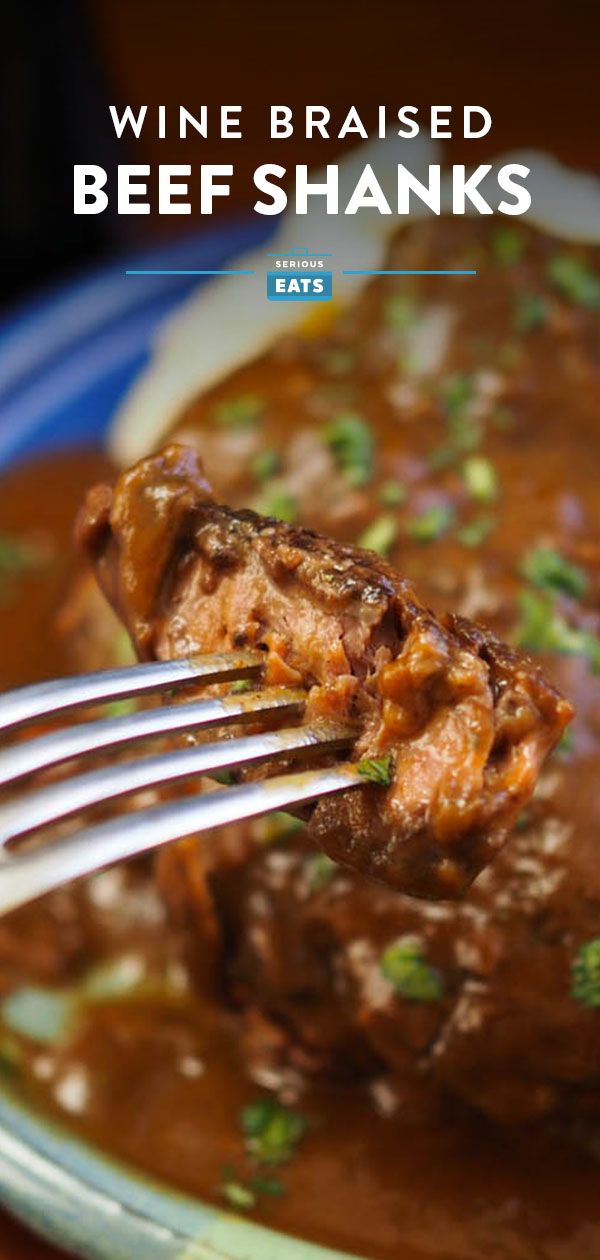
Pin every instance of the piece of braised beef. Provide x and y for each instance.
(463, 722)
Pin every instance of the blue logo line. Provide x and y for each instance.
(169, 271)
(416, 272)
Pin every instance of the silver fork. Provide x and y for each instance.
(29, 872)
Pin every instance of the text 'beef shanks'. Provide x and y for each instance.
(461, 723)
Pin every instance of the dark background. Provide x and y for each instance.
(534, 65)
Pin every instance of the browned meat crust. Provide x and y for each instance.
(468, 722)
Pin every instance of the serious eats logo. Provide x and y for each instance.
(299, 276)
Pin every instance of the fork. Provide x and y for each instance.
(29, 872)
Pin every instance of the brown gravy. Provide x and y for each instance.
(164, 1079)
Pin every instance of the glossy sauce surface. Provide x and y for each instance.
(164, 1080)
(158, 1070)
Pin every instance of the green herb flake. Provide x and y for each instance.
(18, 556)
(276, 826)
(456, 398)
(465, 431)
(508, 246)
(380, 535)
(392, 493)
(480, 478)
(403, 964)
(475, 532)
(224, 777)
(530, 312)
(548, 569)
(240, 1197)
(271, 1186)
(271, 1131)
(541, 628)
(432, 524)
(120, 708)
(377, 770)
(351, 440)
(400, 313)
(122, 652)
(456, 392)
(565, 745)
(319, 871)
(574, 279)
(240, 686)
(264, 465)
(243, 412)
(585, 974)
(279, 503)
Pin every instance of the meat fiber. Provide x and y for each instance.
(456, 723)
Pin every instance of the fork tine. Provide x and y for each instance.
(39, 870)
(76, 741)
(45, 699)
(71, 796)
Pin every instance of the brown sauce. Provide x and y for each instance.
(360, 1182)
(158, 1077)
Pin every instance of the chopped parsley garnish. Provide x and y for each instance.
(475, 532)
(271, 1131)
(392, 493)
(465, 431)
(240, 686)
(17, 557)
(379, 535)
(480, 478)
(432, 524)
(548, 569)
(564, 748)
(351, 440)
(278, 502)
(122, 652)
(574, 279)
(120, 708)
(377, 769)
(456, 392)
(238, 1196)
(267, 1185)
(243, 412)
(542, 629)
(404, 965)
(585, 974)
(276, 826)
(225, 777)
(264, 465)
(319, 870)
(400, 313)
(530, 312)
(456, 396)
(508, 246)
